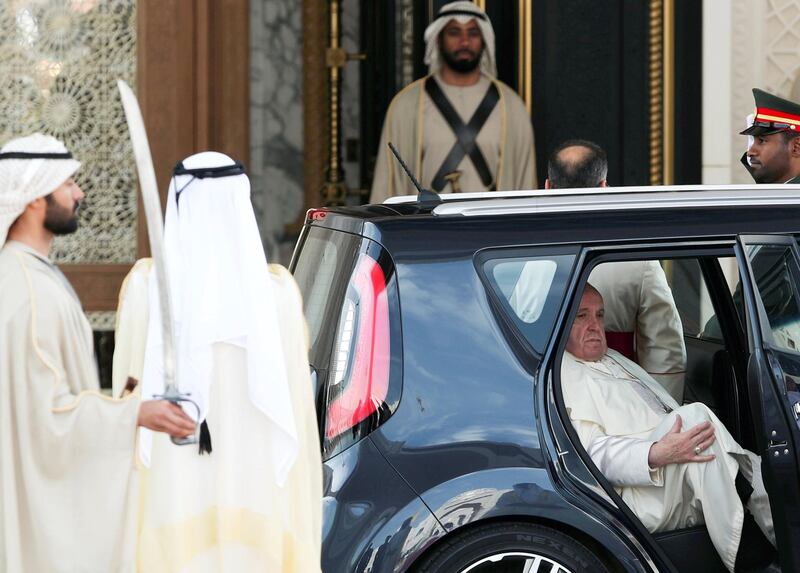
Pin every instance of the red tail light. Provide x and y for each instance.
(316, 214)
(359, 380)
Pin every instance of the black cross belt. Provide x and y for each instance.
(466, 134)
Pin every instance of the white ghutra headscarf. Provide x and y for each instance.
(462, 12)
(30, 167)
(222, 292)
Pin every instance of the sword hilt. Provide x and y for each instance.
(179, 399)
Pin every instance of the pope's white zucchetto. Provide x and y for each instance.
(25, 179)
(461, 12)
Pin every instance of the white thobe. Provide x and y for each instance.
(225, 511)
(617, 425)
(67, 469)
(638, 301)
(130, 330)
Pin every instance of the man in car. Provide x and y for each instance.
(642, 321)
(633, 430)
(459, 128)
(773, 155)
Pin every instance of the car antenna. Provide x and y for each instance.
(425, 195)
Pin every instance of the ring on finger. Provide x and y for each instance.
(697, 450)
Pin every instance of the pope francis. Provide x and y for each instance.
(674, 466)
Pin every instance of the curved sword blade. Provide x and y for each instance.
(155, 228)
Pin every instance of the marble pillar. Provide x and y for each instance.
(276, 122)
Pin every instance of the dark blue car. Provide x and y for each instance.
(446, 442)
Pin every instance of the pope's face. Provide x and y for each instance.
(461, 45)
(587, 339)
(61, 217)
(769, 158)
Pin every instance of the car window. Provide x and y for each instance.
(325, 260)
(693, 299)
(530, 290)
(776, 288)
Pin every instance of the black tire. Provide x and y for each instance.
(472, 547)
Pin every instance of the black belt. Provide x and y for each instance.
(466, 134)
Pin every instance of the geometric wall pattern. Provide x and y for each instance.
(59, 62)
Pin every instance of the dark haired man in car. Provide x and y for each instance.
(674, 466)
(773, 155)
(642, 320)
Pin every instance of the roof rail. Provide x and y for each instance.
(621, 198)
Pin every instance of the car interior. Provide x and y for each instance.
(707, 295)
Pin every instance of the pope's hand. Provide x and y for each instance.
(163, 416)
(677, 447)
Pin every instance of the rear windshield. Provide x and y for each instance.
(530, 288)
(322, 269)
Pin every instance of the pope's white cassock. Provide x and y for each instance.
(619, 411)
(67, 452)
(254, 503)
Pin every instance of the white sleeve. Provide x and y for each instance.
(622, 460)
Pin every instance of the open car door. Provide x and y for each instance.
(770, 270)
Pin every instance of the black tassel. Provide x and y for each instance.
(205, 439)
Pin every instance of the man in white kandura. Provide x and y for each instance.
(632, 429)
(67, 452)
(459, 128)
(254, 502)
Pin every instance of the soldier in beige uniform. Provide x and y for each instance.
(459, 128)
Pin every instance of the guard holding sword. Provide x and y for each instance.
(67, 452)
(226, 338)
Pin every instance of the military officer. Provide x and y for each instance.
(774, 152)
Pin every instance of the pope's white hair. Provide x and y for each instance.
(433, 57)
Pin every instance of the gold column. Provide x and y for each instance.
(656, 91)
(669, 92)
(662, 92)
(334, 190)
(481, 4)
(525, 53)
(315, 105)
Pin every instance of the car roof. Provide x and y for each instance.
(464, 222)
(606, 199)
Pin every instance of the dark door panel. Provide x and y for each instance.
(770, 271)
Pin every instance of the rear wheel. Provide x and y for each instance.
(511, 548)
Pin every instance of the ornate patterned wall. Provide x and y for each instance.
(59, 61)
